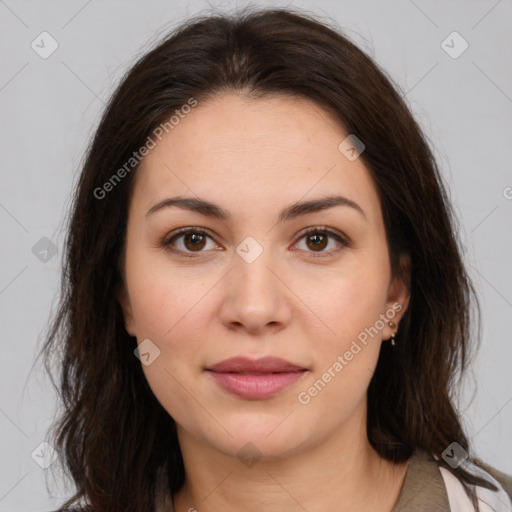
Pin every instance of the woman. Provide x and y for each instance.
(265, 306)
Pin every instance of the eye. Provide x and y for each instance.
(317, 239)
(193, 240)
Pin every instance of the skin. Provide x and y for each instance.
(254, 158)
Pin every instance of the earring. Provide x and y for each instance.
(392, 339)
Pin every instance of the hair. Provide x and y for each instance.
(115, 438)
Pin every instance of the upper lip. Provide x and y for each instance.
(266, 364)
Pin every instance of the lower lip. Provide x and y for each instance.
(256, 386)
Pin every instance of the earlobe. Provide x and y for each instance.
(399, 294)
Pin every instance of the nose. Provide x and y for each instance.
(255, 297)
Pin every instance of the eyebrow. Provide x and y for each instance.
(293, 211)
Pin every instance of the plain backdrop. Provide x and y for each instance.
(50, 107)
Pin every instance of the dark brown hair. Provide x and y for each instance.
(113, 435)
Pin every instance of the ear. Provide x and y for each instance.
(398, 295)
(126, 306)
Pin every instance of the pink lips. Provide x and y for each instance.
(253, 379)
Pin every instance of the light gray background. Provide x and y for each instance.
(50, 108)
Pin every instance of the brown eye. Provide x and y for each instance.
(317, 239)
(187, 241)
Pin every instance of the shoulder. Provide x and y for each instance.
(429, 487)
(423, 489)
(499, 500)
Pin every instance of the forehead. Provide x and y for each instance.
(237, 151)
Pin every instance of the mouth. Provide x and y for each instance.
(255, 379)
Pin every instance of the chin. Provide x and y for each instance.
(259, 435)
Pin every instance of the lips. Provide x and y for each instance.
(255, 379)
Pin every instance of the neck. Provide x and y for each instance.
(343, 473)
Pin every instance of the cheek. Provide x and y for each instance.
(167, 311)
(162, 298)
(170, 308)
(349, 300)
(350, 306)
(349, 341)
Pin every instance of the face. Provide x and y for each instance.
(312, 286)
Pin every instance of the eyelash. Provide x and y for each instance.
(167, 242)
